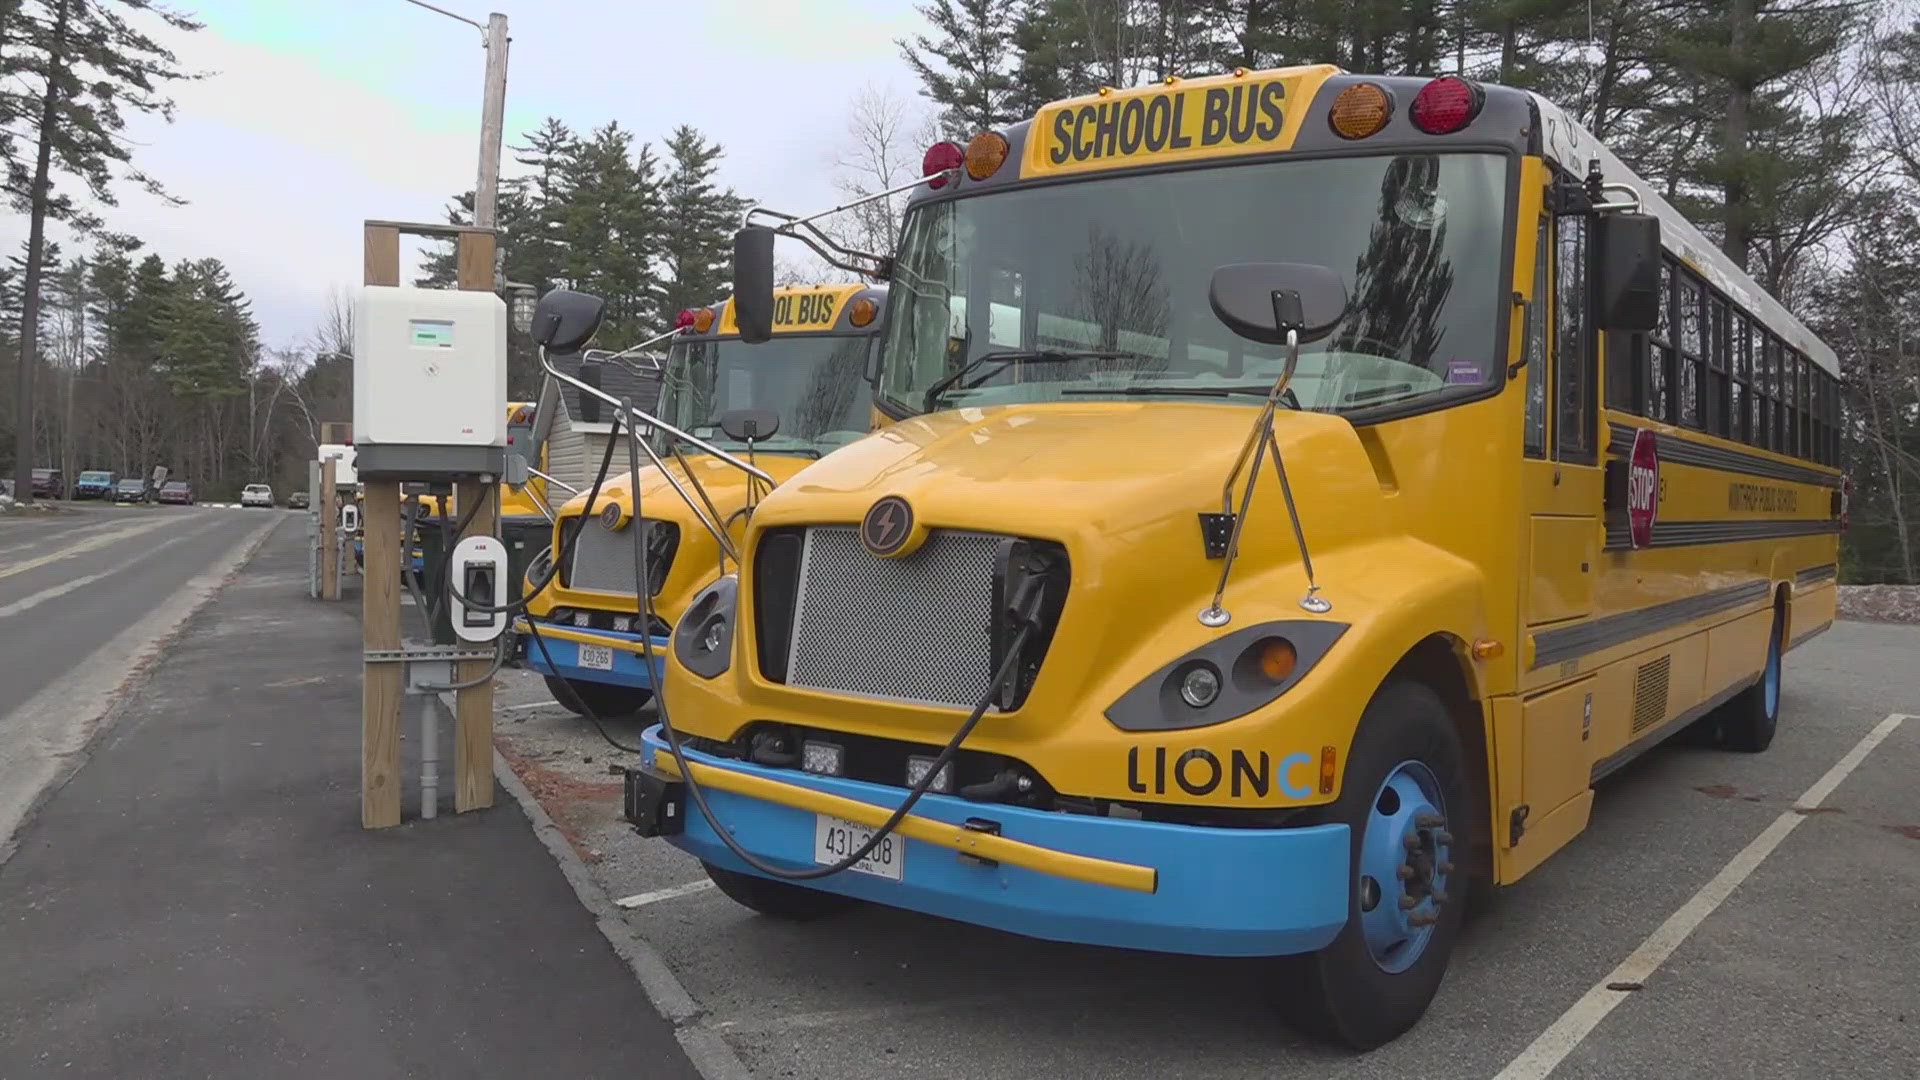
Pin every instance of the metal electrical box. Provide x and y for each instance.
(429, 383)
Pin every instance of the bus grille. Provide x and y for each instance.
(916, 628)
(603, 560)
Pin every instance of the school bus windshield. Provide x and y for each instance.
(815, 382)
(1122, 265)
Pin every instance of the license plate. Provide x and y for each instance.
(836, 838)
(597, 657)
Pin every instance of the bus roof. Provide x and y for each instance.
(808, 309)
(1261, 114)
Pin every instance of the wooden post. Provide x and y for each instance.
(329, 534)
(473, 707)
(382, 682)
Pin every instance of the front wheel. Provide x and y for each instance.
(1404, 797)
(600, 700)
(780, 899)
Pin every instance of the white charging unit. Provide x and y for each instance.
(429, 383)
(477, 569)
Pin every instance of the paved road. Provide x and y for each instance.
(1811, 966)
(86, 593)
(199, 899)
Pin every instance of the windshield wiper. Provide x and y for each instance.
(1286, 398)
(1007, 357)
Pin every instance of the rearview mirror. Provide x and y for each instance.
(1262, 301)
(1626, 261)
(564, 320)
(753, 283)
(750, 425)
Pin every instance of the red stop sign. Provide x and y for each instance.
(1643, 487)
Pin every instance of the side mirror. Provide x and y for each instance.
(753, 283)
(1262, 301)
(1626, 269)
(750, 425)
(564, 320)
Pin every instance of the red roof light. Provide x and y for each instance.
(942, 158)
(1446, 105)
(684, 319)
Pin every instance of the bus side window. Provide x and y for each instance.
(1533, 350)
(1573, 346)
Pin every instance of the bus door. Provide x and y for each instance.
(1563, 485)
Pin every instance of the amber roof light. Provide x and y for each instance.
(1360, 110)
(985, 154)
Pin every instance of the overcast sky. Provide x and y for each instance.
(318, 114)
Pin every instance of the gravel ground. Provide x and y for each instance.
(1881, 603)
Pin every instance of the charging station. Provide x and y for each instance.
(429, 407)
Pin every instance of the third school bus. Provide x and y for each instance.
(1559, 483)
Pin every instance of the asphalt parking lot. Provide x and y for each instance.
(1809, 967)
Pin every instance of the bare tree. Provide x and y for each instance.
(887, 132)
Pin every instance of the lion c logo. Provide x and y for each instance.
(887, 527)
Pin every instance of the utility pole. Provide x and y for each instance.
(486, 193)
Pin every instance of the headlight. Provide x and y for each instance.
(704, 639)
(1226, 678)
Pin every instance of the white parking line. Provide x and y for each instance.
(657, 895)
(1555, 1043)
(526, 705)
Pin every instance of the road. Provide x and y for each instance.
(1807, 967)
(87, 594)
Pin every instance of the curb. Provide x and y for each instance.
(709, 1051)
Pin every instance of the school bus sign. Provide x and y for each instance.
(1182, 120)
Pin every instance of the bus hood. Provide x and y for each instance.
(1120, 479)
(725, 485)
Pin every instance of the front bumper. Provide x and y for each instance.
(1066, 877)
(562, 644)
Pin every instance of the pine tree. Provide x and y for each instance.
(696, 226)
(93, 67)
(967, 67)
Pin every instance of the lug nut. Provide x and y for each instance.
(1412, 842)
(1443, 837)
(1428, 821)
(1438, 897)
(1445, 868)
(1408, 903)
(1404, 872)
(1422, 918)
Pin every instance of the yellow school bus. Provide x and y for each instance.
(1305, 486)
(811, 383)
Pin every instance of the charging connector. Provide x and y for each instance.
(478, 571)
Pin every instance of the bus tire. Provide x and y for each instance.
(600, 700)
(1748, 720)
(1406, 773)
(779, 899)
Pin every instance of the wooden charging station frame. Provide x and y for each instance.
(383, 683)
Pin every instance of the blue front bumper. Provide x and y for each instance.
(629, 668)
(1220, 892)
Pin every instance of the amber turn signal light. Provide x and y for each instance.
(1277, 658)
(1360, 110)
(985, 154)
(863, 311)
(703, 320)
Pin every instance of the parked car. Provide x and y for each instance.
(297, 501)
(256, 495)
(133, 490)
(177, 491)
(49, 484)
(95, 484)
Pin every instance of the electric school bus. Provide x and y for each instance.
(1264, 569)
(782, 404)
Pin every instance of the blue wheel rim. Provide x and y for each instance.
(1405, 863)
(1771, 681)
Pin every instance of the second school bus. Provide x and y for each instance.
(1559, 503)
(812, 377)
